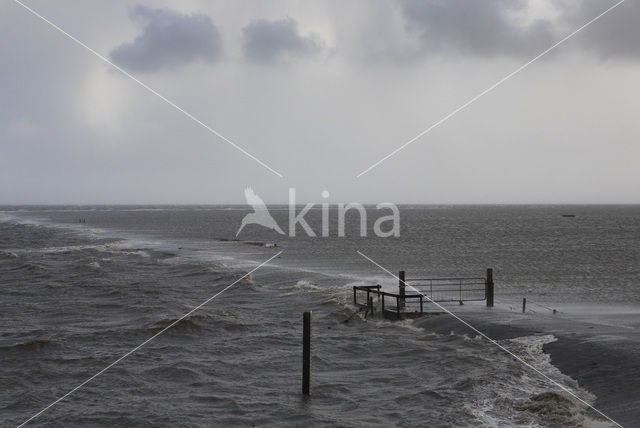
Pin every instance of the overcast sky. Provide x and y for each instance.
(320, 91)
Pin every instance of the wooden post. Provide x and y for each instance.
(524, 304)
(371, 305)
(401, 287)
(421, 311)
(489, 288)
(306, 353)
(355, 302)
(378, 287)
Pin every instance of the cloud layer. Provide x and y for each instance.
(420, 30)
(616, 35)
(168, 39)
(266, 42)
(565, 130)
(483, 28)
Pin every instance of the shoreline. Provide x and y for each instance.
(603, 359)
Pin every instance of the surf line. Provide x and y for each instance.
(494, 342)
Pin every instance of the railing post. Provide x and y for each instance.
(355, 302)
(382, 307)
(489, 288)
(401, 287)
(306, 353)
(378, 287)
(421, 311)
(524, 305)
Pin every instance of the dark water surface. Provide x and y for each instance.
(77, 296)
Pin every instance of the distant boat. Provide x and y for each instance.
(568, 215)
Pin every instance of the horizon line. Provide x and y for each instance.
(319, 204)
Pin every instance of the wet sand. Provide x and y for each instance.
(604, 359)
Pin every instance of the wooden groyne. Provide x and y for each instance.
(415, 295)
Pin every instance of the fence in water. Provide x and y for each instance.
(415, 295)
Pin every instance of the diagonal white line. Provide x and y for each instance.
(489, 89)
(148, 88)
(148, 340)
(493, 341)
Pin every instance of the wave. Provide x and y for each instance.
(30, 267)
(34, 345)
(135, 244)
(306, 285)
(120, 242)
(558, 408)
(554, 407)
(93, 264)
(9, 254)
(536, 400)
(173, 372)
(193, 321)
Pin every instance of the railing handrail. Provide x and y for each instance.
(408, 295)
(447, 284)
(440, 290)
(445, 279)
(427, 290)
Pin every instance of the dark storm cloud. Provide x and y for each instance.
(267, 41)
(488, 28)
(168, 39)
(483, 28)
(615, 35)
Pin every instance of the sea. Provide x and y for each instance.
(84, 288)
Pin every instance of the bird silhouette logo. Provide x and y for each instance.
(260, 214)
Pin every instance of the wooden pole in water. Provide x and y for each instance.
(306, 353)
(489, 288)
(524, 304)
(401, 287)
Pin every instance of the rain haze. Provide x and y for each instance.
(319, 92)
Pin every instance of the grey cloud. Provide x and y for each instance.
(72, 131)
(482, 28)
(267, 41)
(615, 35)
(168, 39)
(487, 28)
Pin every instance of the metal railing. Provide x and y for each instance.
(426, 290)
(418, 299)
(449, 289)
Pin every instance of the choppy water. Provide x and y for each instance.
(77, 296)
